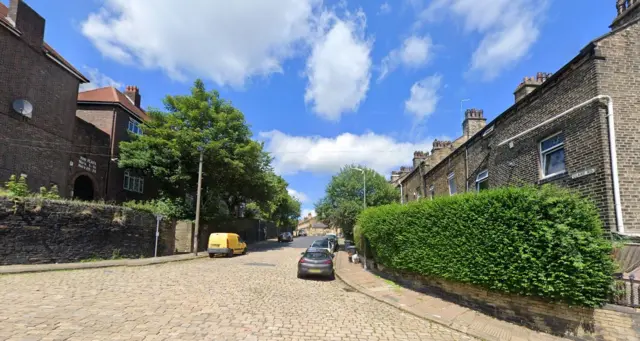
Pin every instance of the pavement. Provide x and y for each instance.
(253, 297)
(430, 308)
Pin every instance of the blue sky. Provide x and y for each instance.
(328, 83)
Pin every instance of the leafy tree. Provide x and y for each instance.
(282, 208)
(235, 168)
(343, 200)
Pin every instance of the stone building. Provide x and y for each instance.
(575, 128)
(37, 102)
(116, 115)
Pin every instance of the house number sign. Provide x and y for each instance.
(583, 173)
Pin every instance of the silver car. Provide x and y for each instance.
(316, 261)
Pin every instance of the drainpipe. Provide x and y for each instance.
(401, 195)
(112, 138)
(466, 167)
(612, 150)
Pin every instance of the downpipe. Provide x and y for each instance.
(613, 151)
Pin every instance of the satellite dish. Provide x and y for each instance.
(23, 107)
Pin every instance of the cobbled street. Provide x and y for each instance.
(251, 297)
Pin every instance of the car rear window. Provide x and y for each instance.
(316, 255)
(321, 243)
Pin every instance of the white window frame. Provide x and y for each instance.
(480, 178)
(543, 153)
(133, 183)
(432, 191)
(134, 127)
(452, 176)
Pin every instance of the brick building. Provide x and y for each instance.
(576, 128)
(37, 102)
(116, 115)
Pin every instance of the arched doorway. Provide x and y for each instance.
(83, 188)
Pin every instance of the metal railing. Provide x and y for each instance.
(626, 292)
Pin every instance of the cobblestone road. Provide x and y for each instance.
(251, 297)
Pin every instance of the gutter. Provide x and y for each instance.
(612, 150)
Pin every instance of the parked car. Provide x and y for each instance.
(302, 233)
(322, 244)
(228, 244)
(334, 241)
(285, 237)
(316, 261)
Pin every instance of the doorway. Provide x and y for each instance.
(83, 188)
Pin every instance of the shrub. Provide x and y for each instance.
(165, 207)
(545, 242)
(17, 187)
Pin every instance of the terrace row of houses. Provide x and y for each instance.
(52, 133)
(578, 128)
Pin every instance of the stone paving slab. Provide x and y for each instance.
(453, 316)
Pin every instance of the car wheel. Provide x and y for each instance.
(332, 276)
(211, 255)
(300, 275)
(230, 253)
(244, 252)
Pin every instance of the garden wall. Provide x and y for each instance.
(35, 231)
(608, 323)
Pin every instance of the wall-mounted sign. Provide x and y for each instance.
(87, 164)
(583, 173)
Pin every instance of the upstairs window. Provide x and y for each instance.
(133, 183)
(482, 180)
(552, 155)
(134, 127)
(452, 183)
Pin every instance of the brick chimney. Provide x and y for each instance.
(440, 150)
(473, 122)
(529, 84)
(628, 10)
(133, 94)
(418, 157)
(28, 22)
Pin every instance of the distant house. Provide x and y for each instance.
(118, 115)
(37, 102)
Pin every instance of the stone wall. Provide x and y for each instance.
(608, 323)
(34, 231)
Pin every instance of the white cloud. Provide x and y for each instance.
(384, 8)
(299, 195)
(424, 97)
(306, 211)
(339, 67)
(414, 53)
(225, 41)
(98, 80)
(326, 155)
(509, 29)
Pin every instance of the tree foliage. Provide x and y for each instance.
(535, 242)
(344, 197)
(236, 169)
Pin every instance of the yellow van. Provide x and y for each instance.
(228, 244)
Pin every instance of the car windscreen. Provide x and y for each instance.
(321, 243)
(316, 255)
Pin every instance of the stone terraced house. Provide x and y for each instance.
(576, 128)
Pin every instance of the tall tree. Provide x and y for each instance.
(344, 197)
(235, 168)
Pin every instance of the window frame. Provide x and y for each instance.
(452, 176)
(543, 153)
(483, 176)
(136, 126)
(432, 191)
(133, 183)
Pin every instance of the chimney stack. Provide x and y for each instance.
(133, 94)
(627, 10)
(418, 157)
(473, 122)
(529, 84)
(28, 22)
(440, 150)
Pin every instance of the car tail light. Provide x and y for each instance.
(328, 261)
(301, 260)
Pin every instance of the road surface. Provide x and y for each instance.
(251, 297)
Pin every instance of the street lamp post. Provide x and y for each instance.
(197, 229)
(364, 205)
(158, 219)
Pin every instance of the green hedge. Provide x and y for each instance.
(544, 242)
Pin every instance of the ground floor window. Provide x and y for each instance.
(452, 183)
(482, 180)
(133, 183)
